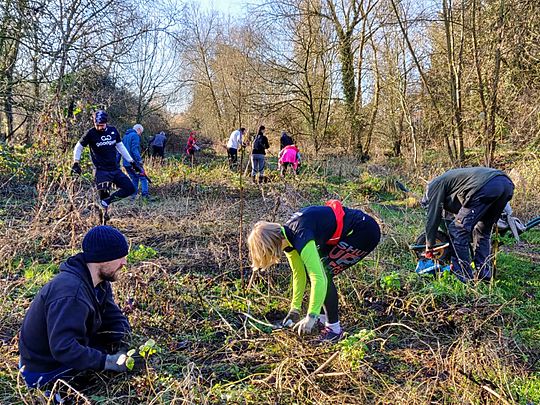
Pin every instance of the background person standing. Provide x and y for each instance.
(233, 145)
(158, 143)
(132, 142)
(260, 144)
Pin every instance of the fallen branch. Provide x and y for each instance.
(485, 387)
(325, 364)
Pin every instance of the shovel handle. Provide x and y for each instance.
(438, 246)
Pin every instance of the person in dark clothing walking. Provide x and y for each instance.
(158, 143)
(476, 196)
(104, 142)
(320, 241)
(260, 144)
(73, 323)
(285, 140)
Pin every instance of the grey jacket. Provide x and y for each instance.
(452, 190)
(159, 140)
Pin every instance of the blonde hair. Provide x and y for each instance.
(264, 242)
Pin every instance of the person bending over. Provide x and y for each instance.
(477, 197)
(319, 242)
(132, 142)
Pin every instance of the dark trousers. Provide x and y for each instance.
(285, 166)
(350, 250)
(106, 178)
(158, 151)
(232, 155)
(473, 224)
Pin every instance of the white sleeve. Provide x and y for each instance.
(77, 152)
(123, 151)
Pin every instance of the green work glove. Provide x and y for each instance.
(305, 326)
(116, 362)
(292, 318)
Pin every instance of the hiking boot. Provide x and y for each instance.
(327, 335)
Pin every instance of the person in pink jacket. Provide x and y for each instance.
(289, 156)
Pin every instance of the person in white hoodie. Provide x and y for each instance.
(233, 145)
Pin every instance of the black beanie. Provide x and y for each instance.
(103, 244)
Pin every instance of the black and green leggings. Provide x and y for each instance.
(350, 250)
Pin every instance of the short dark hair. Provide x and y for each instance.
(261, 128)
(242, 129)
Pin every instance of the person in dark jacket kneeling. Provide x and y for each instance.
(73, 322)
(476, 196)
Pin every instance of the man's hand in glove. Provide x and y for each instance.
(116, 362)
(306, 325)
(76, 168)
(292, 318)
(136, 168)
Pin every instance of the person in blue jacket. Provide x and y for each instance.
(132, 142)
(73, 323)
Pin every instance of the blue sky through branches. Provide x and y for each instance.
(232, 7)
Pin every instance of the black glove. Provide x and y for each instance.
(116, 362)
(292, 318)
(136, 168)
(76, 168)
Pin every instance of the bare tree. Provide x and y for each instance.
(346, 17)
(301, 79)
(455, 69)
(198, 47)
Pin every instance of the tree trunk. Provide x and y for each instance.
(375, 102)
(450, 151)
(454, 71)
(491, 141)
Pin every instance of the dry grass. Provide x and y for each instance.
(433, 342)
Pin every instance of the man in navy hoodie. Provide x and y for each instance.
(73, 322)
